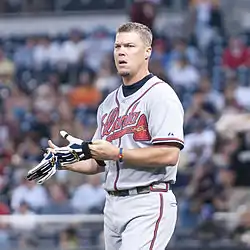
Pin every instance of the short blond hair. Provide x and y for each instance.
(144, 31)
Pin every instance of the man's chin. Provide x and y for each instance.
(123, 73)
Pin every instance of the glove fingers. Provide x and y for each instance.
(42, 179)
(43, 167)
(69, 137)
(32, 177)
(38, 174)
(37, 168)
(52, 145)
(62, 150)
(34, 174)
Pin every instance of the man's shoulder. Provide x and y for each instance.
(110, 98)
(112, 95)
(161, 87)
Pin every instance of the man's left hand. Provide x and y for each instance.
(103, 150)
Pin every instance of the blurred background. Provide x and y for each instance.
(56, 66)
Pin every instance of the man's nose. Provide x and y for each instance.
(121, 53)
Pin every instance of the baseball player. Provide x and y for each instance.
(137, 143)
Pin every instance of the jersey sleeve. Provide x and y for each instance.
(165, 117)
(97, 135)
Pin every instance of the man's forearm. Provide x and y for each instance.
(88, 167)
(155, 156)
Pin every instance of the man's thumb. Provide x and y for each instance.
(52, 145)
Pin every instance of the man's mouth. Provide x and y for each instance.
(122, 62)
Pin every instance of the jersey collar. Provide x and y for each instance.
(131, 89)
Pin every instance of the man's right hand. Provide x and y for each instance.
(76, 150)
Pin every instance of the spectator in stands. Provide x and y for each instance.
(199, 111)
(181, 47)
(98, 45)
(240, 161)
(45, 99)
(89, 197)
(58, 202)
(235, 55)
(85, 93)
(183, 74)
(5, 242)
(24, 209)
(197, 194)
(242, 94)
(157, 68)
(211, 96)
(5, 158)
(68, 239)
(72, 49)
(231, 103)
(239, 92)
(160, 52)
(7, 69)
(29, 192)
(199, 143)
(24, 55)
(143, 11)
(207, 21)
(223, 189)
(85, 98)
(107, 79)
(4, 130)
(17, 105)
(27, 241)
(208, 191)
(4, 209)
(242, 231)
(216, 20)
(42, 53)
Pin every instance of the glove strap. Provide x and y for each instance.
(86, 150)
(88, 155)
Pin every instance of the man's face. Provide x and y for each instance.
(130, 53)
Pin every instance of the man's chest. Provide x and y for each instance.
(125, 118)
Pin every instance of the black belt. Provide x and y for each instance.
(155, 187)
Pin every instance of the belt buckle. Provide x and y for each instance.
(133, 191)
(160, 187)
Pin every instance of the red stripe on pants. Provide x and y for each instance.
(157, 223)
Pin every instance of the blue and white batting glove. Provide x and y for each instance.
(45, 169)
(76, 150)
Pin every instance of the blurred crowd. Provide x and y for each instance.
(52, 83)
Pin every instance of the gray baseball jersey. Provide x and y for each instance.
(151, 115)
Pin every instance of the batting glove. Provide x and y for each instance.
(76, 150)
(45, 169)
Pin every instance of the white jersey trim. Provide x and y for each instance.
(170, 139)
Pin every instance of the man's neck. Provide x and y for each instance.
(127, 81)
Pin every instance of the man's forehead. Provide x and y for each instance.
(128, 37)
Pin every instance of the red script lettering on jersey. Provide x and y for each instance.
(115, 126)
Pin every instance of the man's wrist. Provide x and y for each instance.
(116, 154)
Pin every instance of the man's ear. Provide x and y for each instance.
(148, 53)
